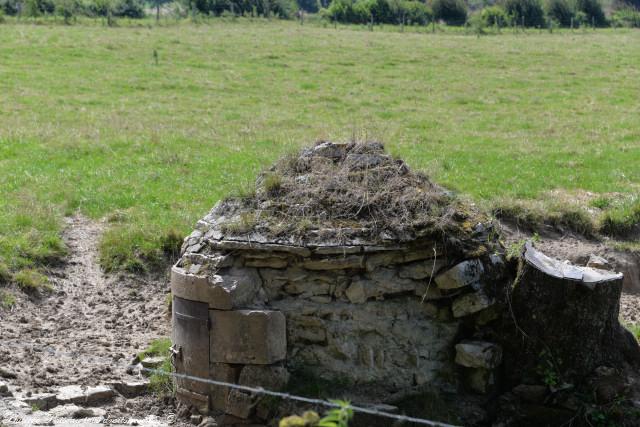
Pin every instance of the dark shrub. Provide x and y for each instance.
(560, 11)
(282, 8)
(593, 12)
(129, 9)
(308, 5)
(453, 12)
(10, 7)
(525, 12)
(285, 9)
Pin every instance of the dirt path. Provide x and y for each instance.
(89, 328)
(85, 332)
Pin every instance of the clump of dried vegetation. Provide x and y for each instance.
(354, 186)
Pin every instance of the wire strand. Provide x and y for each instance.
(289, 396)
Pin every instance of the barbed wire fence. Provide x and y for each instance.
(313, 401)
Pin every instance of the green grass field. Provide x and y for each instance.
(89, 121)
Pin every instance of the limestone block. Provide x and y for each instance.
(387, 258)
(247, 336)
(199, 401)
(271, 262)
(598, 262)
(306, 328)
(189, 286)
(334, 263)
(421, 269)
(43, 401)
(356, 292)
(429, 291)
(226, 373)
(272, 377)
(275, 280)
(382, 281)
(233, 289)
(239, 404)
(131, 388)
(478, 354)
(464, 274)
(84, 395)
(481, 380)
(470, 303)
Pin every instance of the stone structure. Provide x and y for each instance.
(381, 313)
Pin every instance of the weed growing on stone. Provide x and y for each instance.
(159, 383)
(157, 347)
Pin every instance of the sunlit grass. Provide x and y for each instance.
(89, 122)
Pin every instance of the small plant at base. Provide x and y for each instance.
(7, 300)
(515, 249)
(337, 417)
(160, 383)
(547, 370)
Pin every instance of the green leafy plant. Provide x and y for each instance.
(160, 383)
(494, 16)
(337, 417)
(547, 369)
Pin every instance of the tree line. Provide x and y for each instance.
(503, 13)
(494, 13)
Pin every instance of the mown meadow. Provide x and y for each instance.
(148, 126)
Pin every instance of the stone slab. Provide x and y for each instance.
(470, 303)
(478, 354)
(200, 401)
(463, 274)
(234, 289)
(334, 263)
(247, 336)
(84, 395)
(226, 373)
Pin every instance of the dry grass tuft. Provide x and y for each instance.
(350, 186)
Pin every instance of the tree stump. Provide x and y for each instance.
(566, 318)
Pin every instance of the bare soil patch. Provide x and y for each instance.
(87, 330)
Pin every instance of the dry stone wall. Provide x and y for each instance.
(389, 318)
